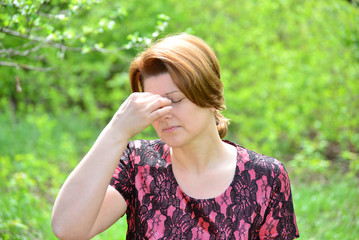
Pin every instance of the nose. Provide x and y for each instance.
(167, 116)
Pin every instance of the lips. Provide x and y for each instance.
(170, 129)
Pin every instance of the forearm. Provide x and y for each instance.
(79, 200)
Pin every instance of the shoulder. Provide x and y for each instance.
(249, 160)
(260, 162)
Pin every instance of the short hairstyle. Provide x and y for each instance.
(193, 67)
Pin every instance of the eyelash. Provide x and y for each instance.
(176, 101)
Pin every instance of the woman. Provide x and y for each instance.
(189, 184)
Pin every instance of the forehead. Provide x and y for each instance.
(160, 84)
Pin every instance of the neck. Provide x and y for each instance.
(200, 156)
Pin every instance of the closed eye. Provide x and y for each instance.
(176, 100)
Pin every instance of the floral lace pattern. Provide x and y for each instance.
(257, 205)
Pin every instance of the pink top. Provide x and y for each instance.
(257, 204)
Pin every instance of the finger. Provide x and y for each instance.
(159, 113)
(157, 103)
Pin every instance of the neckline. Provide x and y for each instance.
(200, 200)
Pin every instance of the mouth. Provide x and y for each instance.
(170, 129)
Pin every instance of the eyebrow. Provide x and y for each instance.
(169, 93)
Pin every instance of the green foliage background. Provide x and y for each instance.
(290, 70)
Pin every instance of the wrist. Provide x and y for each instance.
(115, 135)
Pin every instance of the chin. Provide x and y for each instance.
(172, 141)
(172, 144)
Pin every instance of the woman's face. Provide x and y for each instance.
(186, 123)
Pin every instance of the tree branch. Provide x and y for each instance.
(17, 34)
(55, 44)
(24, 66)
(11, 52)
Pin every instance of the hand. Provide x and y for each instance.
(137, 112)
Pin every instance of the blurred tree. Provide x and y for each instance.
(66, 53)
(354, 2)
(29, 26)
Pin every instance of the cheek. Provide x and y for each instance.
(155, 124)
(202, 116)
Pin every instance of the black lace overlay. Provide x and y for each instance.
(257, 205)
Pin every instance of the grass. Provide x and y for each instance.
(327, 209)
(37, 152)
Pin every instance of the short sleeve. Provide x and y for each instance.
(122, 179)
(280, 222)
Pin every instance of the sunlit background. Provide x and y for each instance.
(291, 75)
